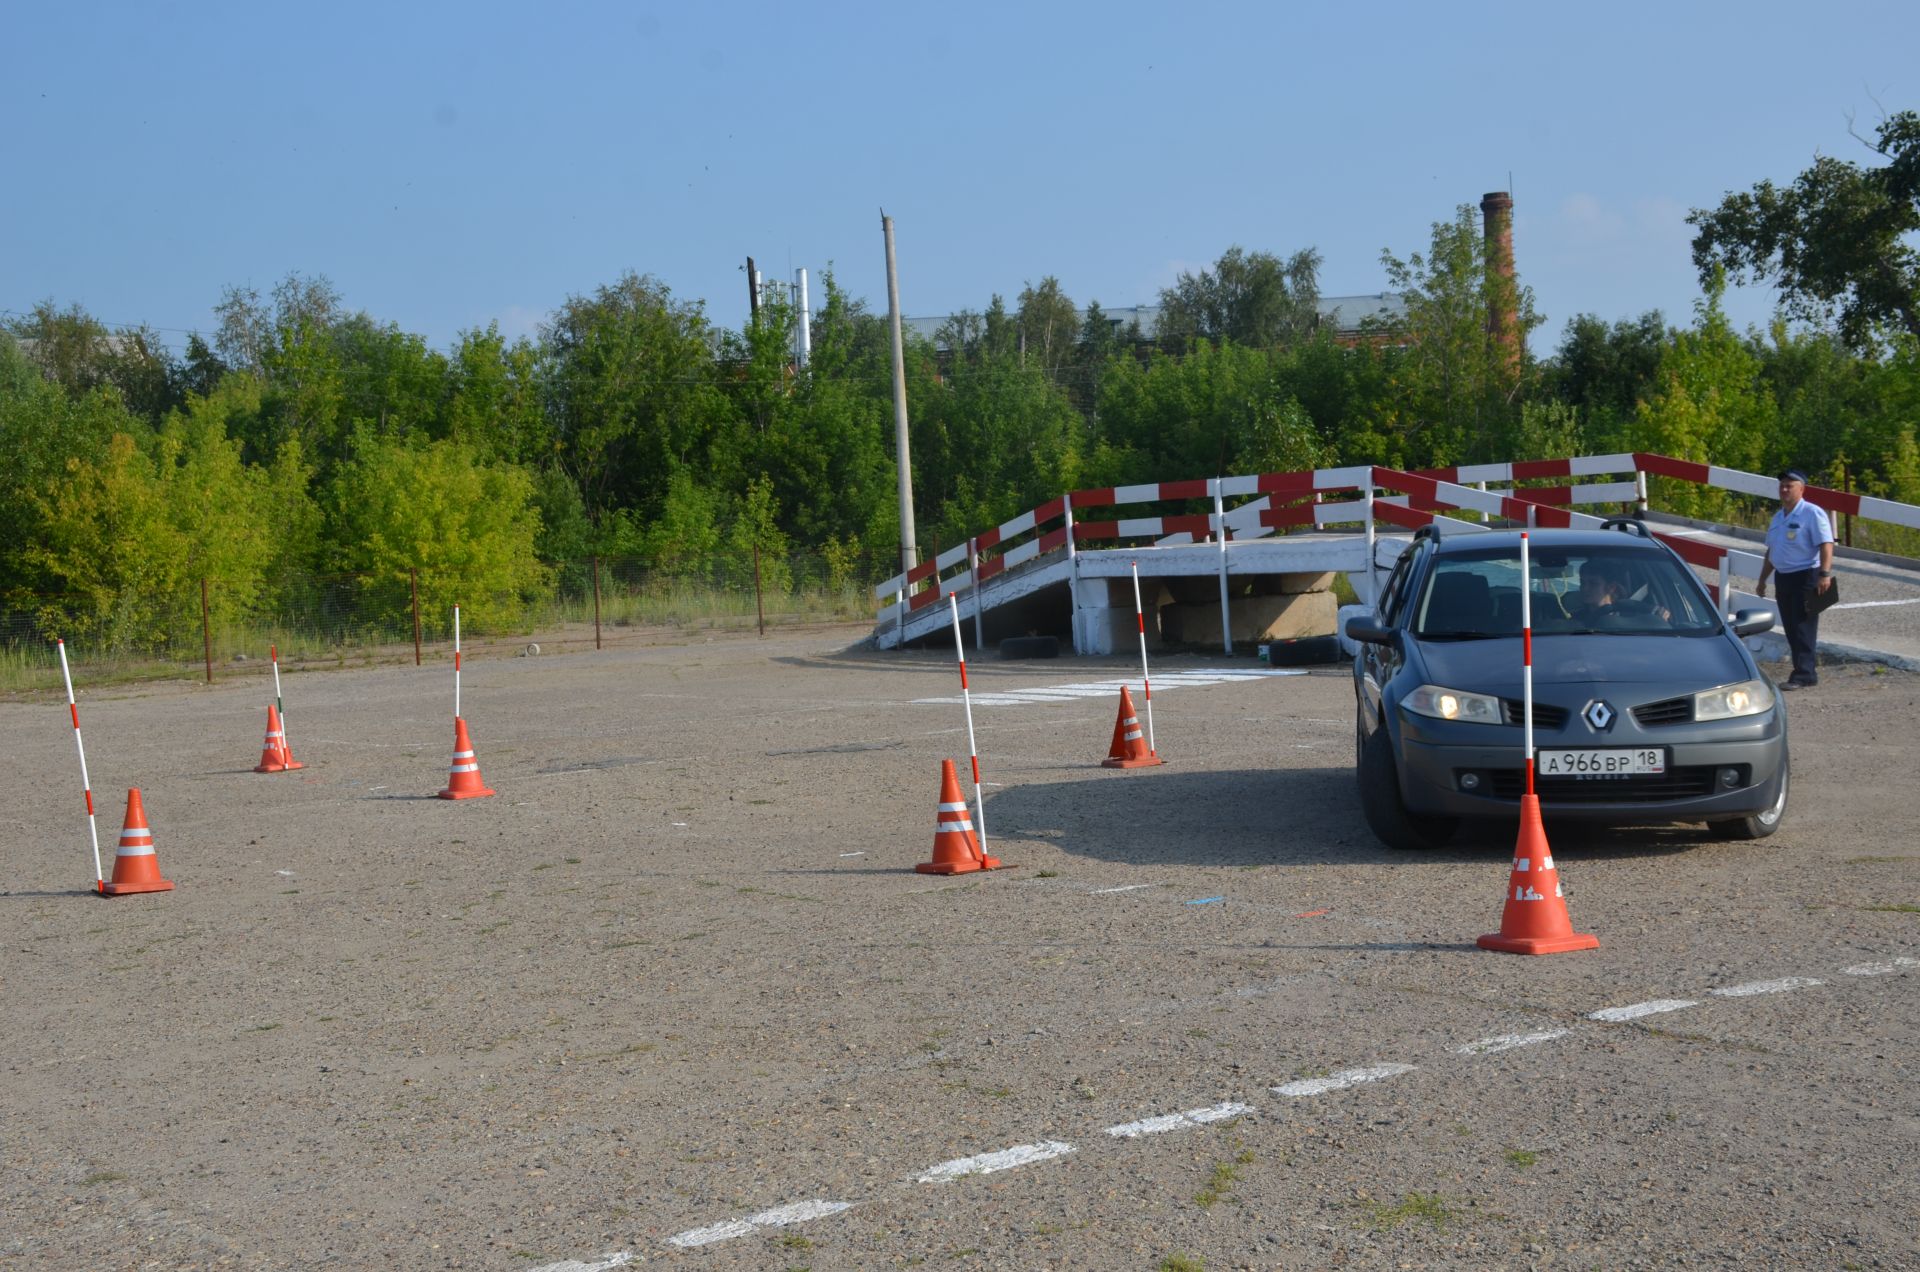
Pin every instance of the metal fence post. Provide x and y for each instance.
(414, 573)
(759, 607)
(206, 630)
(596, 599)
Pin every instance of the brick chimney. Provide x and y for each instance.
(1503, 301)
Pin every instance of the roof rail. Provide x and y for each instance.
(1631, 525)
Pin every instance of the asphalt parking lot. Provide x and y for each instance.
(676, 996)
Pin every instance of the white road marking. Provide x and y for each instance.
(1341, 1080)
(1637, 1010)
(1177, 1121)
(605, 1263)
(1132, 887)
(1765, 987)
(1871, 604)
(988, 1163)
(1107, 688)
(861, 853)
(778, 1217)
(711, 1233)
(1507, 1042)
(1882, 969)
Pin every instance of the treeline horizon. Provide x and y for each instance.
(303, 437)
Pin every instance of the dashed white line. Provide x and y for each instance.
(1341, 1080)
(1765, 987)
(1132, 887)
(1178, 1121)
(988, 1163)
(778, 1217)
(1881, 969)
(1507, 1042)
(1637, 1010)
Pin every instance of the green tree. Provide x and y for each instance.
(1838, 240)
(468, 527)
(1708, 405)
(628, 376)
(1251, 298)
(1455, 393)
(126, 535)
(1049, 325)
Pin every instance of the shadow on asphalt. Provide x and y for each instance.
(1247, 817)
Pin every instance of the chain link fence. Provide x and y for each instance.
(205, 627)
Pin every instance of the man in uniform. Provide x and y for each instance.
(1800, 547)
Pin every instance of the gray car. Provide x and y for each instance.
(1647, 705)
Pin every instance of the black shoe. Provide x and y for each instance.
(1792, 683)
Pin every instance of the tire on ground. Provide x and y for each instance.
(1756, 825)
(1380, 802)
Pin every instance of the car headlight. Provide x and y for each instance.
(1729, 702)
(1454, 704)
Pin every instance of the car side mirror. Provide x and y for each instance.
(1752, 622)
(1364, 629)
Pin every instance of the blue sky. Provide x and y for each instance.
(447, 166)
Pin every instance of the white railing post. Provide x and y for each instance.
(973, 585)
(1366, 500)
(1726, 581)
(1073, 569)
(1640, 494)
(1485, 516)
(1220, 528)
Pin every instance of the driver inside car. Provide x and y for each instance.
(1603, 597)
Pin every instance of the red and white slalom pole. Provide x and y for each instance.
(973, 751)
(456, 662)
(1146, 683)
(86, 783)
(1526, 656)
(273, 652)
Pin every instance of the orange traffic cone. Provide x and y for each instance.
(955, 850)
(135, 868)
(1535, 919)
(1129, 748)
(274, 755)
(464, 782)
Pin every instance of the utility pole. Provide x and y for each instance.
(909, 554)
(753, 292)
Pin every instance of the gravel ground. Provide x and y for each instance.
(646, 990)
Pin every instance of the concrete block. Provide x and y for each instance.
(1255, 618)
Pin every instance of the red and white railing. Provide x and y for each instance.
(1359, 496)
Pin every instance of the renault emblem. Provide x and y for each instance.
(1598, 715)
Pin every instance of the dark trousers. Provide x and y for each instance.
(1797, 619)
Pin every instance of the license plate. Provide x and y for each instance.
(1649, 759)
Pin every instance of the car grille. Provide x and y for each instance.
(1690, 782)
(1667, 711)
(1545, 715)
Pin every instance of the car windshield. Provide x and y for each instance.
(1575, 591)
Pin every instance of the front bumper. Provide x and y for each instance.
(1433, 776)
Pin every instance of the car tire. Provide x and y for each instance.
(1755, 825)
(1380, 802)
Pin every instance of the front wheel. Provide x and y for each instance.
(1380, 802)
(1755, 825)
